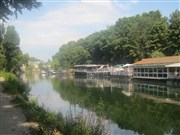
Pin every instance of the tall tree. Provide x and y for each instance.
(13, 7)
(70, 55)
(174, 34)
(2, 56)
(10, 45)
(139, 36)
(130, 39)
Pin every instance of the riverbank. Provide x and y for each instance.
(12, 119)
(49, 123)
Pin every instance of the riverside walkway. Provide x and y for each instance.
(12, 119)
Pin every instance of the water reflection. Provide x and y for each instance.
(134, 107)
(135, 87)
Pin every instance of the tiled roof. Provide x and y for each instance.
(160, 60)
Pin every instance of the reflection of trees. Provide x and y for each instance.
(31, 77)
(131, 113)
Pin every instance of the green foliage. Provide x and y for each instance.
(77, 124)
(9, 77)
(13, 85)
(70, 55)
(157, 54)
(2, 59)
(13, 7)
(174, 34)
(100, 108)
(11, 56)
(2, 56)
(130, 39)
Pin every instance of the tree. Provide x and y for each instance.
(2, 56)
(2, 59)
(157, 54)
(13, 7)
(10, 46)
(139, 44)
(130, 39)
(158, 37)
(173, 47)
(70, 55)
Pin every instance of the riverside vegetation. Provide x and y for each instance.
(130, 39)
(50, 123)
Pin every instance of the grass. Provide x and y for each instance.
(51, 123)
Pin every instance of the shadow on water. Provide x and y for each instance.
(133, 106)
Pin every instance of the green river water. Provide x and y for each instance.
(131, 107)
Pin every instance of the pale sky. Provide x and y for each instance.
(43, 31)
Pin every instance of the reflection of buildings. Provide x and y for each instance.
(133, 87)
(156, 89)
(93, 82)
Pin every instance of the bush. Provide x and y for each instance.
(13, 85)
(10, 83)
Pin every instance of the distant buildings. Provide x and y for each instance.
(151, 68)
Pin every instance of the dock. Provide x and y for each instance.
(92, 70)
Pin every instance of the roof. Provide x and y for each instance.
(160, 60)
(173, 65)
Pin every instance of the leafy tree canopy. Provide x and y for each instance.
(129, 40)
(13, 7)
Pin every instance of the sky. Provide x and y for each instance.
(42, 31)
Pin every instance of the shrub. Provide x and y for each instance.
(13, 85)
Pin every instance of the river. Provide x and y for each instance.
(132, 107)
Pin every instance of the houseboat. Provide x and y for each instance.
(162, 68)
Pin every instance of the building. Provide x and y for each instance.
(92, 69)
(158, 68)
(122, 70)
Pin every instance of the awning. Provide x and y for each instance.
(128, 65)
(173, 65)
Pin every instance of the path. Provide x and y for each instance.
(12, 119)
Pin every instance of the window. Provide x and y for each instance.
(155, 75)
(155, 70)
(150, 70)
(171, 69)
(142, 69)
(159, 70)
(165, 69)
(146, 69)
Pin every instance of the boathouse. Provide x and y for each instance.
(158, 68)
